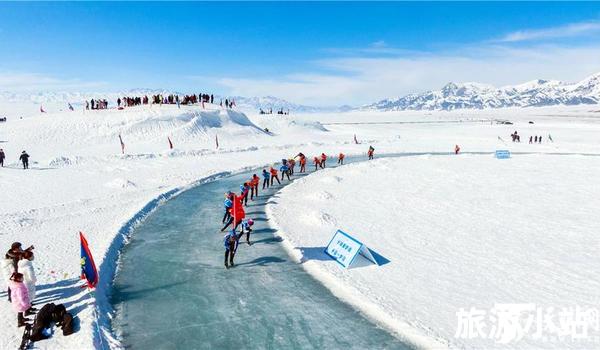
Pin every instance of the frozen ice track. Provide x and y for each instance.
(172, 290)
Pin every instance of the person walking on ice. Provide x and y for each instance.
(285, 171)
(371, 152)
(274, 176)
(317, 162)
(254, 182)
(341, 158)
(266, 177)
(247, 229)
(323, 160)
(302, 163)
(230, 241)
(25, 159)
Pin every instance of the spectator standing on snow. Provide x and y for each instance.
(20, 298)
(456, 149)
(540, 139)
(25, 159)
(25, 267)
(535, 139)
(341, 158)
(370, 152)
(2, 156)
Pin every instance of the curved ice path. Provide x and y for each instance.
(173, 291)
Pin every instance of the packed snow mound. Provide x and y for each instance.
(143, 129)
(536, 93)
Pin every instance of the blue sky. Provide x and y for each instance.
(313, 53)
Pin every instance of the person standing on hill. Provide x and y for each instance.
(2, 156)
(25, 159)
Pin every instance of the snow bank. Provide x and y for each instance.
(460, 232)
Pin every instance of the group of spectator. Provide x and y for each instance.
(96, 104)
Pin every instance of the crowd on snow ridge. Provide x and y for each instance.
(159, 99)
(234, 213)
(20, 277)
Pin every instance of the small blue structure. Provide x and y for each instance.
(502, 154)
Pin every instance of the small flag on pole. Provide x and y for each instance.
(170, 143)
(217, 140)
(88, 267)
(122, 144)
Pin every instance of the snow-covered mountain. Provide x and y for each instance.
(534, 93)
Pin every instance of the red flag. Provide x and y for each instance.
(238, 212)
(170, 143)
(217, 140)
(355, 140)
(42, 109)
(122, 144)
(88, 267)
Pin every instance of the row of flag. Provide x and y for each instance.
(168, 139)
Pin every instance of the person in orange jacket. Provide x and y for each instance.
(254, 182)
(302, 163)
(341, 158)
(323, 160)
(317, 162)
(274, 176)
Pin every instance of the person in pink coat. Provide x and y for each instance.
(20, 298)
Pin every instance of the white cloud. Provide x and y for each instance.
(566, 31)
(358, 80)
(19, 81)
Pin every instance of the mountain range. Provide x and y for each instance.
(536, 93)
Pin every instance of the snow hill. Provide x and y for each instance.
(535, 93)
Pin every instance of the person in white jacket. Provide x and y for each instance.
(26, 268)
(8, 268)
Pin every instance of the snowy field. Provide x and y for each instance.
(80, 181)
(460, 231)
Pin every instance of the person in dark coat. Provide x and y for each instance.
(2, 156)
(25, 159)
